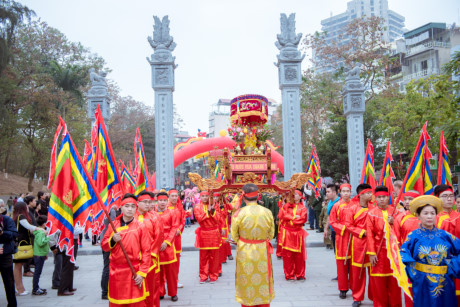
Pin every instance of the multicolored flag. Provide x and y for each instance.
(368, 172)
(418, 176)
(88, 157)
(444, 173)
(142, 175)
(73, 196)
(314, 168)
(106, 173)
(393, 254)
(127, 179)
(52, 169)
(387, 175)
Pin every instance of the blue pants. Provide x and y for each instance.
(312, 218)
(188, 222)
(39, 262)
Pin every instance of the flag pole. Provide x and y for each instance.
(101, 204)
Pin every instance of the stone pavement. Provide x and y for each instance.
(317, 290)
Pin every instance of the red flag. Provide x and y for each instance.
(142, 175)
(444, 173)
(368, 172)
(387, 173)
(61, 125)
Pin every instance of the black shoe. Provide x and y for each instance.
(104, 297)
(174, 298)
(356, 304)
(39, 292)
(319, 231)
(162, 297)
(230, 257)
(76, 267)
(343, 294)
(334, 279)
(279, 258)
(220, 274)
(55, 287)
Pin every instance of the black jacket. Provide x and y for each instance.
(9, 235)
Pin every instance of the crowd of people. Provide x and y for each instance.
(151, 224)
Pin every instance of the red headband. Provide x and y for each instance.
(216, 194)
(172, 191)
(382, 193)
(345, 185)
(365, 191)
(128, 200)
(204, 193)
(251, 194)
(162, 197)
(144, 197)
(300, 194)
(411, 194)
(449, 190)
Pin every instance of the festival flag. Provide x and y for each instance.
(142, 174)
(73, 196)
(418, 176)
(105, 173)
(314, 181)
(393, 254)
(368, 172)
(152, 181)
(61, 125)
(88, 157)
(387, 174)
(217, 174)
(444, 174)
(127, 179)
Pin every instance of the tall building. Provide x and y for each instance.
(219, 117)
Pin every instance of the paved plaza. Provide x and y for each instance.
(317, 290)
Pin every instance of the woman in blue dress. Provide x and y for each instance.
(431, 256)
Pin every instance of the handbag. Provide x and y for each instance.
(25, 251)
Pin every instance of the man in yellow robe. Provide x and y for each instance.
(252, 229)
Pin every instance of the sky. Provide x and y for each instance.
(225, 48)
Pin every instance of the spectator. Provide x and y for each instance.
(8, 235)
(10, 204)
(188, 205)
(317, 205)
(21, 198)
(15, 200)
(31, 202)
(41, 249)
(457, 202)
(56, 279)
(23, 224)
(3, 209)
(41, 200)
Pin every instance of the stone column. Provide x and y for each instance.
(162, 64)
(290, 79)
(98, 95)
(353, 107)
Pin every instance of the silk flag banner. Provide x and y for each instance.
(314, 168)
(444, 173)
(142, 175)
(127, 179)
(73, 198)
(368, 172)
(387, 174)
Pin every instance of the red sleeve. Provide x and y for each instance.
(349, 220)
(145, 246)
(200, 215)
(339, 228)
(159, 236)
(303, 216)
(370, 227)
(169, 238)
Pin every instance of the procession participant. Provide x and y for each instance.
(223, 212)
(356, 224)
(168, 256)
(253, 228)
(431, 256)
(333, 198)
(294, 238)
(384, 285)
(342, 255)
(154, 227)
(446, 218)
(208, 238)
(124, 288)
(279, 238)
(175, 204)
(404, 224)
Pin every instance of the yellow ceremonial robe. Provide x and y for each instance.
(253, 228)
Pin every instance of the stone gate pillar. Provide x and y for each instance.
(353, 107)
(162, 64)
(98, 95)
(290, 79)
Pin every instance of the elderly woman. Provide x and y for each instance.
(431, 256)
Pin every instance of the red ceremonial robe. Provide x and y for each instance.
(279, 248)
(168, 257)
(446, 220)
(181, 216)
(137, 243)
(337, 218)
(208, 240)
(383, 284)
(356, 224)
(293, 240)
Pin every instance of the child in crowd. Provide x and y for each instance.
(41, 249)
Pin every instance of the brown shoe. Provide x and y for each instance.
(73, 290)
(28, 274)
(230, 257)
(65, 293)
